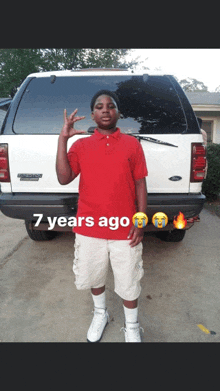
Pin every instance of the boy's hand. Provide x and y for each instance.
(68, 126)
(136, 235)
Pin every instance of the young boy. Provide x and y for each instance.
(112, 188)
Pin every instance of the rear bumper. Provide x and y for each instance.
(23, 206)
(171, 204)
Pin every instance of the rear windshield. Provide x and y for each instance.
(148, 105)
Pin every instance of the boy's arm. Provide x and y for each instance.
(137, 234)
(64, 172)
(141, 194)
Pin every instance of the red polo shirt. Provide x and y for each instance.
(109, 167)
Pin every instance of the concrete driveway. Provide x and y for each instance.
(39, 301)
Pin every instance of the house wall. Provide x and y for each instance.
(213, 116)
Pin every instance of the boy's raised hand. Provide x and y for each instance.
(68, 126)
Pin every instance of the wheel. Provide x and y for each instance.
(39, 235)
(172, 236)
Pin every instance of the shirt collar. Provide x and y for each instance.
(100, 136)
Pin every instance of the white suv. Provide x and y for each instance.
(154, 109)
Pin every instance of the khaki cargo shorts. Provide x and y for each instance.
(91, 260)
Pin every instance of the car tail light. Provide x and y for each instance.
(198, 162)
(4, 164)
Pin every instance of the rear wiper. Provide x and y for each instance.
(145, 138)
(152, 140)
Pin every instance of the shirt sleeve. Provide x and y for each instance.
(139, 163)
(73, 158)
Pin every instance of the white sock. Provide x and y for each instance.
(99, 300)
(131, 315)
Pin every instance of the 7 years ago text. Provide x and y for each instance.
(113, 222)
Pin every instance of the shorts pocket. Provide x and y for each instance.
(139, 265)
(76, 255)
(139, 271)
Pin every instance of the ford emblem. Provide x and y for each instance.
(175, 178)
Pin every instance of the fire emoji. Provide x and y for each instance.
(180, 222)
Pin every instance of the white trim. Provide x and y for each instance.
(85, 72)
(197, 107)
(214, 128)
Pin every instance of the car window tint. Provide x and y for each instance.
(148, 105)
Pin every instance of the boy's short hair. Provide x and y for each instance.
(105, 92)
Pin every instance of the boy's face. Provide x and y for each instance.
(105, 112)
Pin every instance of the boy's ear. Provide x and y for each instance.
(92, 115)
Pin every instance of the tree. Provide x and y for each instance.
(61, 59)
(16, 64)
(192, 85)
(84, 58)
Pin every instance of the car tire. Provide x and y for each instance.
(39, 235)
(172, 236)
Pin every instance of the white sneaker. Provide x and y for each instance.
(132, 332)
(99, 322)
